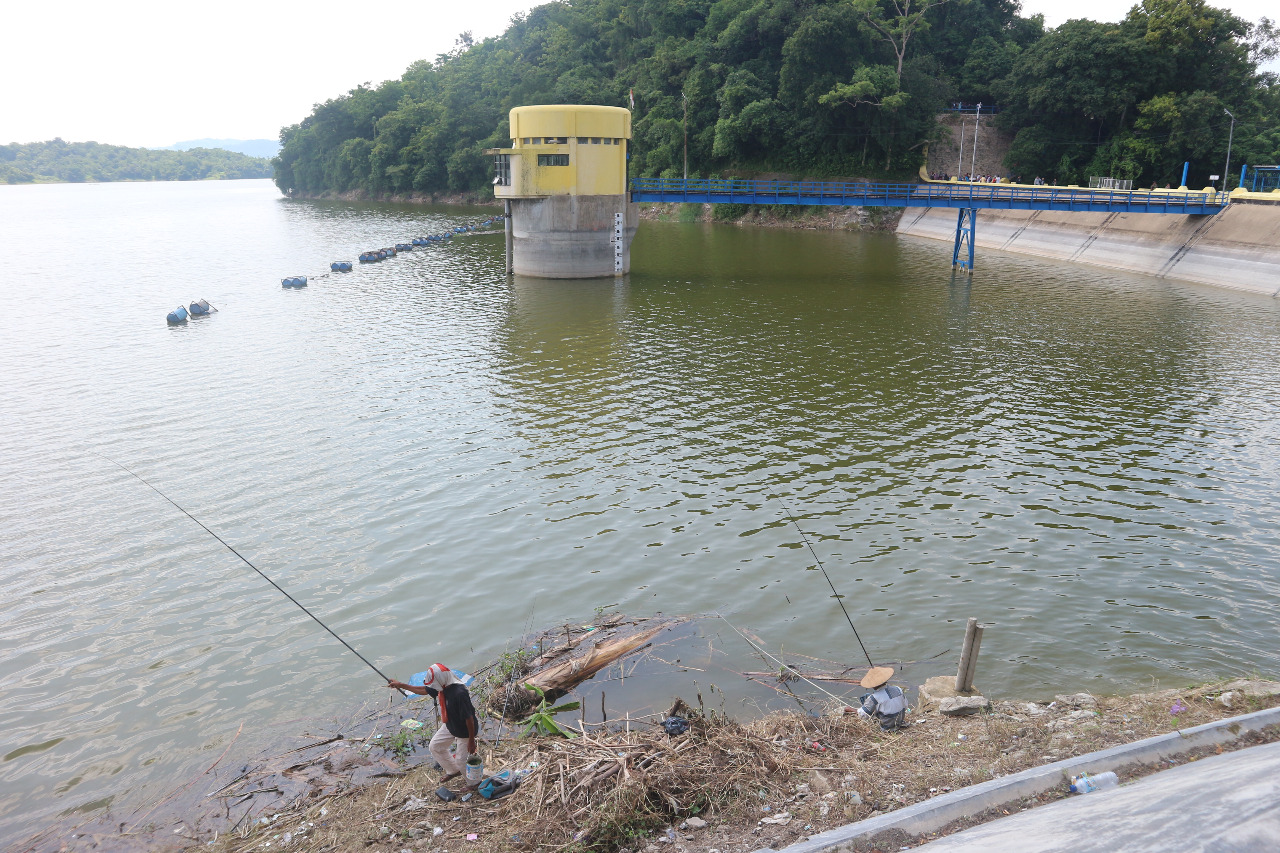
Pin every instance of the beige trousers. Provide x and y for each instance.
(455, 762)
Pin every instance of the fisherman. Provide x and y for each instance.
(459, 725)
(886, 705)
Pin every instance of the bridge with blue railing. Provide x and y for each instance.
(967, 198)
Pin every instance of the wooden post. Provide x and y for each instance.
(973, 658)
(966, 655)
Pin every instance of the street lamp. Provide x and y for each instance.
(973, 164)
(1226, 170)
(685, 124)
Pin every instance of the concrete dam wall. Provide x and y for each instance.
(1238, 248)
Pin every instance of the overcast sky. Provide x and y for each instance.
(148, 73)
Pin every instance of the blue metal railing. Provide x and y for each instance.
(960, 195)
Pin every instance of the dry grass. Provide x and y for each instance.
(626, 790)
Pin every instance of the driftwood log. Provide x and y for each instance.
(587, 656)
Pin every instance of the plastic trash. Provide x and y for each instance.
(1084, 783)
(675, 726)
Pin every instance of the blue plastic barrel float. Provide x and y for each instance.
(391, 251)
(201, 308)
(369, 257)
(419, 241)
(294, 281)
(340, 266)
(179, 315)
(404, 247)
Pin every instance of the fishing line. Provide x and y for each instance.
(246, 562)
(839, 600)
(780, 663)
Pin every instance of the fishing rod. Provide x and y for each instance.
(246, 562)
(839, 599)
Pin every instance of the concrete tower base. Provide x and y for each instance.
(568, 236)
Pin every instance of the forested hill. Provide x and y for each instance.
(90, 161)
(815, 88)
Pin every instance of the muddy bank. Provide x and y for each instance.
(471, 199)
(731, 782)
(808, 217)
(737, 787)
(814, 218)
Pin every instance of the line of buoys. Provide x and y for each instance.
(199, 308)
(370, 257)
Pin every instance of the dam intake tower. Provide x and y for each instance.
(564, 183)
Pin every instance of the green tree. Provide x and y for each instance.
(897, 25)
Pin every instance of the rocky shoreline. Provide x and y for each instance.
(722, 787)
(809, 218)
(737, 787)
(626, 783)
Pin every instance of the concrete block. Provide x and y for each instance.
(962, 706)
(940, 687)
(1077, 700)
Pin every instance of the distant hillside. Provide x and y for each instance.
(266, 148)
(78, 162)
(819, 89)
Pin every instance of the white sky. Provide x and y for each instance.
(148, 73)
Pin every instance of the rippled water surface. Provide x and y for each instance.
(433, 457)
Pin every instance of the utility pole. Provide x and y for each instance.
(973, 163)
(685, 102)
(1226, 170)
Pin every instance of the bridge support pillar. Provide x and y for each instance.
(965, 229)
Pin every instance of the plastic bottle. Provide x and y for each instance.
(1084, 783)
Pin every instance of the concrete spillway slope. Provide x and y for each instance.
(1238, 248)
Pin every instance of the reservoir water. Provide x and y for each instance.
(433, 458)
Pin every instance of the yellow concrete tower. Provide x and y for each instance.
(564, 181)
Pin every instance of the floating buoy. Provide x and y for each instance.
(403, 247)
(177, 316)
(369, 257)
(294, 281)
(340, 266)
(201, 308)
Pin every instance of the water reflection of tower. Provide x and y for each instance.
(564, 358)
